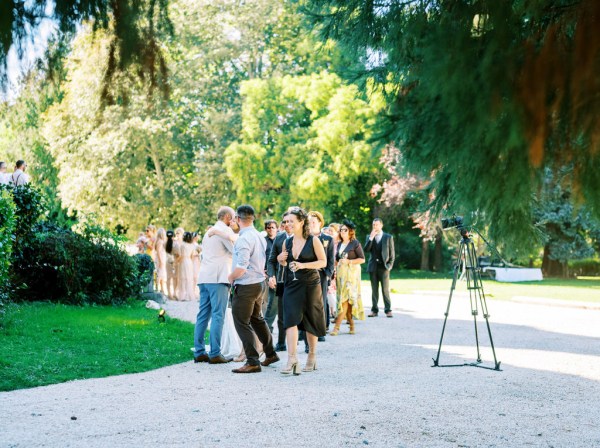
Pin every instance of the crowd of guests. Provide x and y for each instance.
(300, 272)
(176, 258)
(17, 178)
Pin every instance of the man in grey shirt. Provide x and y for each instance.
(249, 286)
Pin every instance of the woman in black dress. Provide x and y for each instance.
(303, 255)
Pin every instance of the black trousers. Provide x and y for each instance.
(381, 276)
(324, 285)
(280, 327)
(246, 308)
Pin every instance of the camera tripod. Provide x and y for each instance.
(467, 261)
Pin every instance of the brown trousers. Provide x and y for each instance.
(246, 309)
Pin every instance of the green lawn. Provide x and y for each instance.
(585, 289)
(45, 343)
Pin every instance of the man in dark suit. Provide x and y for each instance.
(276, 276)
(381, 247)
(316, 223)
(269, 299)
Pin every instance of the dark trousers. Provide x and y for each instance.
(280, 327)
(248, 319)
(324, 285)
(272, 307)
(381, 276)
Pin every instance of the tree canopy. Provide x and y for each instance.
(134, 28)
(481, 95)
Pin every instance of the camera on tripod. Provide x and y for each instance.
(452, 222)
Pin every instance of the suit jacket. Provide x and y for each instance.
(274, 269)
(327, 242)
(388, 252)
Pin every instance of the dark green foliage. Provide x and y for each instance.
(145, 269)
(408, 250)
(30, 206)
(481, 95)
(59, 265)
(569, 231)
(586, 267)
(7, 226)
(135, 26)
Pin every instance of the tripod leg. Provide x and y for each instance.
(474, 288)
(487, 322)
(452, 288)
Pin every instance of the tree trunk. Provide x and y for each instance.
(438, 251)
(553, 268)
(424, 255)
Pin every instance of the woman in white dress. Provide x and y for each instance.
(161, 260)
(171, 278)
(185, 269)
(196, 261)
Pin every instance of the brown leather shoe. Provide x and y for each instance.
(201, 358)
(389, 314)
(372, 315)
(247, 368)
(219, 360)
(270, 360)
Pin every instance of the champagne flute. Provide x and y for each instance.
(293, 269)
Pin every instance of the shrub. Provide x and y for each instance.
(145, 271)
(30, 206)
(585, 267)
(59, 265)
(7, 227)
(408, 250)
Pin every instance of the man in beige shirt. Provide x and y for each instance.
(214, 288)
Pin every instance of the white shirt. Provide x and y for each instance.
(4, 178)
(377, 237)
(18, 177)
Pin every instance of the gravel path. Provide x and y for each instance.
(375, 388)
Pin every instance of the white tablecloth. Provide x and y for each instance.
(516, 274)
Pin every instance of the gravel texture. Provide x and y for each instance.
(374, 388)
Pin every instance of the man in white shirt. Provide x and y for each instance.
(4, 176)
(19, 177)
(214, 289)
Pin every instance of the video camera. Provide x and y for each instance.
(452, 222)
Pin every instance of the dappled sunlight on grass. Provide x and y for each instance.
(47, 344)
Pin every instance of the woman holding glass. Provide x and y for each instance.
(349, 257)
(303, 255)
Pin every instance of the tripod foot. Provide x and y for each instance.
(435, 363)
(497, 366)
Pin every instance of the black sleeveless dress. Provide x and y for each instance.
(303, 298)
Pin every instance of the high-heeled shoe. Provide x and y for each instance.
(292, 366)
(352, 328)
(311, 363)
(335, 331)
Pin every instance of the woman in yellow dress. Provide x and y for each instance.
(349, 257)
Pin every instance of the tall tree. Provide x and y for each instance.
(483, 94)
(134, 28)
(569, 231)
(304, 141)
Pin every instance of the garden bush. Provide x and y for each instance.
(7, 227)
(30, 206)
(145, 271)
(54, 263)
(60, 265)
(585, 267)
